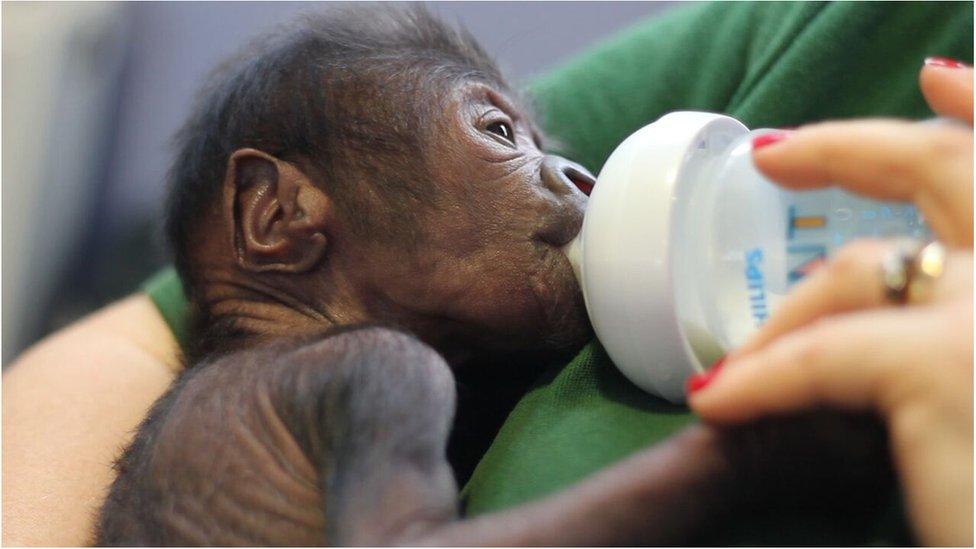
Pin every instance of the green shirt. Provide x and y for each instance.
(767, 64)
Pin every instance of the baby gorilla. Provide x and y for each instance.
(372, 167)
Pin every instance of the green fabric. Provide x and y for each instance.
(587, 413)
(166, 292)
(768, 64)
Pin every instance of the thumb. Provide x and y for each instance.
(948, 87)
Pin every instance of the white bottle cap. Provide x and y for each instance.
(626, 256)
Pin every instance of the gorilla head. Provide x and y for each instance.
(373, 166)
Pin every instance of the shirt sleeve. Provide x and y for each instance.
(166, 292)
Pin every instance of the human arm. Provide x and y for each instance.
(70, 403)
(837, 342)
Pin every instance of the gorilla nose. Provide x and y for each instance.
(560, 174)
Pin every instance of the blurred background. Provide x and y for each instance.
(92, 93)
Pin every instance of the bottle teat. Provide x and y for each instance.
(574, 253)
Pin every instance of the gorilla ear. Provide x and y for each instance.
(277, 216)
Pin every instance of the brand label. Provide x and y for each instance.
(756, 286)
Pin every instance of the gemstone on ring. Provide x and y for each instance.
(927, 266)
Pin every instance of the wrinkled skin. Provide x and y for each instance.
(489, 264)
(492, 253)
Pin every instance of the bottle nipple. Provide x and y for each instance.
(574, 253)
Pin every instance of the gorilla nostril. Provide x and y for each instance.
(582, 180)
(560, 176)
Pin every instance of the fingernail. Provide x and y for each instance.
(698, 382)
(944, 62)
(767, 139)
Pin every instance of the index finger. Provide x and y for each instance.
(948, 88)
(930, 165)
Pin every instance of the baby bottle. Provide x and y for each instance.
(686, 248)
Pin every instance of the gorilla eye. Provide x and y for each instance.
(503, 130)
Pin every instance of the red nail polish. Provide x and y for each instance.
(699, 381)
(944, 62)
(767, 139)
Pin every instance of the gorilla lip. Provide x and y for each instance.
(559, 234)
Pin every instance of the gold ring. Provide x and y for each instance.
(909, 272)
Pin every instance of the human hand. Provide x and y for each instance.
(838, 342)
